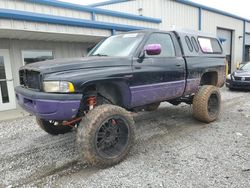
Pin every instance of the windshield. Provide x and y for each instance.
(118, 45)
(246, 67)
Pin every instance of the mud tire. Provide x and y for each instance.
(51, 128)
(207, 104)
(88, 131)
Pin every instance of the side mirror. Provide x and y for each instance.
(153, 49)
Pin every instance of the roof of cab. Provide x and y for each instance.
(180, 32)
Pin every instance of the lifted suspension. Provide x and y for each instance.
(91, 102)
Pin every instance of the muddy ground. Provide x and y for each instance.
(171, 150)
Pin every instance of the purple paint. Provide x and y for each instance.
(192, 86)
(50, 109)
(151, 93)
(153, 49)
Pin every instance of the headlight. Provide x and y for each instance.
(228, 77)
(58, 86)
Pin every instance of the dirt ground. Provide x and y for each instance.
(171, 150)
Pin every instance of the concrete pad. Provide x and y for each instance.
(12, 114)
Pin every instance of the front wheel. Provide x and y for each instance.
(52, 127)
(207, 104)
(105, 135)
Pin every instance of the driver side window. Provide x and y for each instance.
(167, 47)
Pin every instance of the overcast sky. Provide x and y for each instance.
(238, 7)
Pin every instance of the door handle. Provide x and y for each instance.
(128, 76)
(178, 64)
(137, 67)
(6, 80)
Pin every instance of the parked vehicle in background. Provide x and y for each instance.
(125, 72)
(240, 79)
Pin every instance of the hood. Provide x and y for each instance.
(242, 73)
(59, 65)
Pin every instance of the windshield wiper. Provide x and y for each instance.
(101, 55)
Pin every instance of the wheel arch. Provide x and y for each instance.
(117, 88)
(209, 78)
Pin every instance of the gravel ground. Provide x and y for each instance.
(171, 150)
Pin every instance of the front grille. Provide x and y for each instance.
(30, 79)
(240, 78)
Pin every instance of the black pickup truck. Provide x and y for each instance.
(123, 73)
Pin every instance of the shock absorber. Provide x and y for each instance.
(91, 102)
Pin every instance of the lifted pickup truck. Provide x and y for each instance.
(126, 72)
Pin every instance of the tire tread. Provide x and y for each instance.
(88, 127)
(200, 103)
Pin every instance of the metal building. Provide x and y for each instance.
(35, 30)
(232, 30)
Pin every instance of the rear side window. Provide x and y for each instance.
(210, 45)
(190, 47)
(165, 40)
(194, 42)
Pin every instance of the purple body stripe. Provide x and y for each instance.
(151, 93)
(192, 86)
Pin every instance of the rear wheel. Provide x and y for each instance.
(207, 104)
(53, 127)
(105, 135)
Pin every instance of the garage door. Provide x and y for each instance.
(247, 47)
(225, 37)
(247, 39)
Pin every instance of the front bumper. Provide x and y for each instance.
(48, 106)
(235, 84)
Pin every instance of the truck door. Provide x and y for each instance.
(158, 77)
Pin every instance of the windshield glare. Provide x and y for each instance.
(118, 45)
(246, 67)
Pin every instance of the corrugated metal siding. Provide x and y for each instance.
(185, 16)
(58, 11)
(111, 19)
(211, 21)
(171, 12)
(43, 9)
(60, 50)
(127, 7)
(179, 15)
(51, 28)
